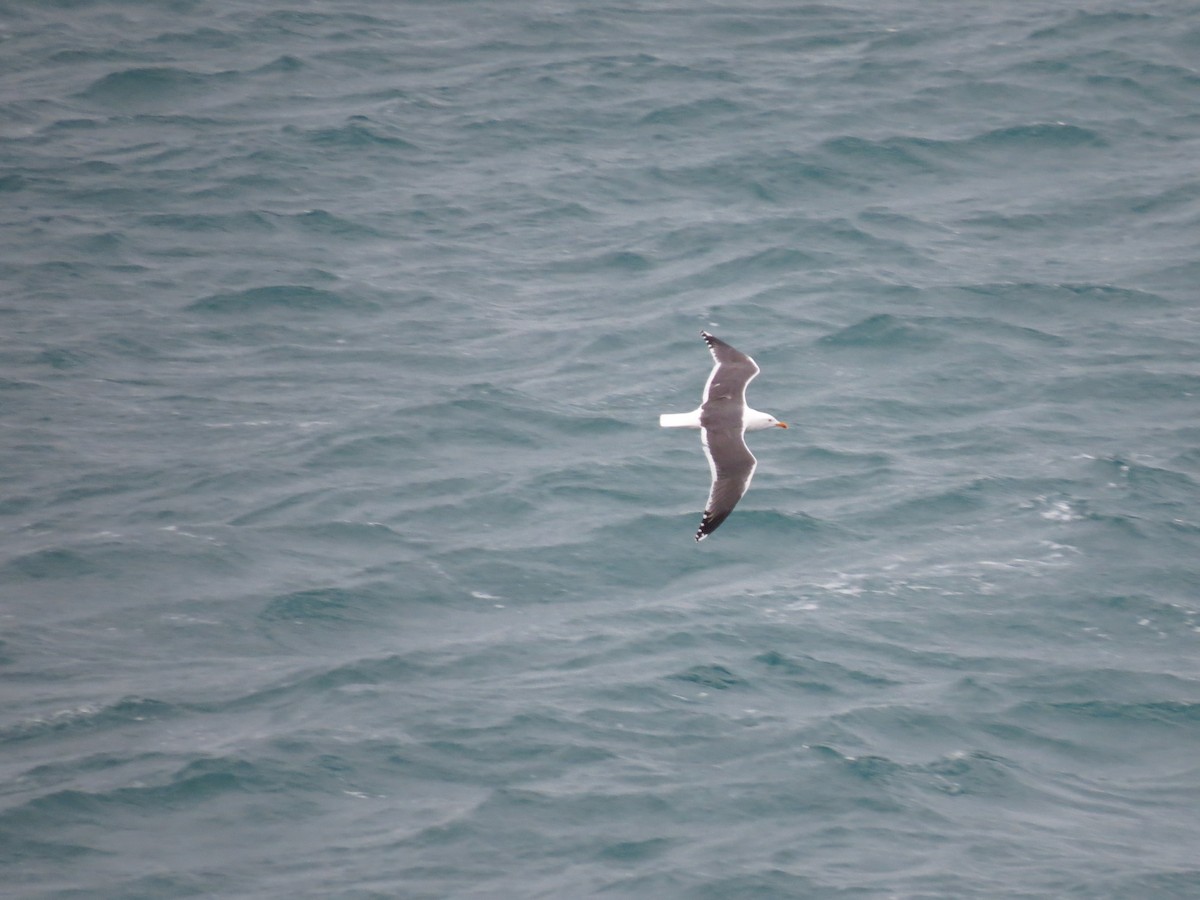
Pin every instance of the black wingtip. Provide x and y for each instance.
(708, 525)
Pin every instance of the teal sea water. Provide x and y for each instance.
(342, 555)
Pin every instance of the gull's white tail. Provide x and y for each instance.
(680, 420)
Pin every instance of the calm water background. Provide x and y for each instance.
(343, 556)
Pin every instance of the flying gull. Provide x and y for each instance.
(723, 419)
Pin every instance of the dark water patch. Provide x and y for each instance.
(106, 558)
(878, 769)
(1001, 224)
(100, 169)
(1176, 198)
(64, 358)
(840, 236)
(891, 408)
(999, 331)
(358, 132)
(596, 485)
(791, 176)
(203, 37)
(1037, 137)
(874, 160)
(1163, 713)
(714, 676)
(113, 480)
(82, 56)
(326, 606)
(67, 126)
(18, 504)
(255, 336)
(294, 21)
(763, 264)
(692, 240)
(843, 488)
(1127, 90)
(320, 221)
(282, 297)
(1083, 23)
(885, 331)
(196, 784)
(825, 458)
(504, 418)
(358, 535)
(691, 113)
(775, 180)
(22, 848)
(501, 135)
(62, 771)
(1021, 739)
(938, 507)
(281, 65)
(811, 673)
(100, 244)
(234, 223)
(14, 182)
(50, 563)
(1048, 296)
(330, 684)
(562, 809)
(513, 751)
(636, 852)
(152, 87)
(901, 225)
(347, 452)
(620, 262)
(987, 93)
(1066, 683)
(314, 512)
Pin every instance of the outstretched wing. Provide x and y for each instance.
(732, 466)
(726, 385)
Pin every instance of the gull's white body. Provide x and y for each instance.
(752, 419)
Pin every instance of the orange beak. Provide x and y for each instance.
(781, 424)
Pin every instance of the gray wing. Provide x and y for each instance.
(725, 390)
(732, 465)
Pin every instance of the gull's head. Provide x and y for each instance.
(756, 421)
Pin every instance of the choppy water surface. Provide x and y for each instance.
(343, 556)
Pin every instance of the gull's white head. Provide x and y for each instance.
(756, 421)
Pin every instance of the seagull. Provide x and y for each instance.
(723, 419)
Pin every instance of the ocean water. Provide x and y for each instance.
(342, 553)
